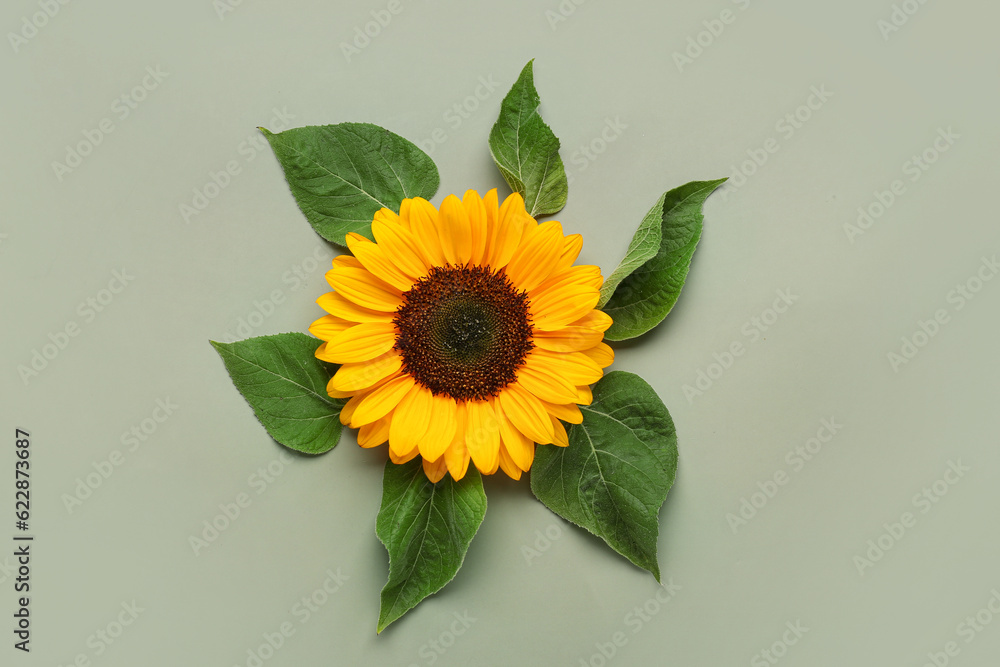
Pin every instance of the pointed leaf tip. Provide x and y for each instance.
(526, 151)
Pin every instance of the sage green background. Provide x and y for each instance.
(826, 357)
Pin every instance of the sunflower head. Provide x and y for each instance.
(465, 333)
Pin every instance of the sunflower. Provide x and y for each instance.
(464, 333)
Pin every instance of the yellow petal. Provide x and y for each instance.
(339, 305)
(544, 383)
(559, 438)
(457, 455)
(457, 460)
(454, 231)
(441, 429)
(597, 320)
(362, 342)
(364, 289)
(557, 309)
(374, 434)
(533, 260)
(508, 466)
(496, 464)
(518, 446)
(482, 436)
(476, 210)
(576, 367)
(329, 326)
(336, 393)
(357, 394)
(568, 412)
(584, 395)
(404, 213)
(374, 258)
(345, 261)
(594, 277)
(567, 339)
(347, 412)
(602, 354)
(358, 376)
(526, 413)
(492, 218)
(378, 402)
(508, 230)
(582, 274)
(388, 215)
(424, 223)
(403, 458)
(410, 420)
(572, 245)
(401, 245)
(435, 470)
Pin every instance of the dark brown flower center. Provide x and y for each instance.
(463, 331)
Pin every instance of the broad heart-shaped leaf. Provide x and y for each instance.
(285, 384)
(614, 475)
(643, 298)
(342, 174)
(426, 528)
(526, 151)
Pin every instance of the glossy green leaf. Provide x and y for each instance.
(285, 384)
(644, 297)
(526, 151)
(340, 175)
(614, 475)
(426, 528)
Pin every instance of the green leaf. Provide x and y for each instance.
(342, 174)
(614, 475)
(526, 151)
(426, 528)
(643, 297)
(643, 247)
(285, 384)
